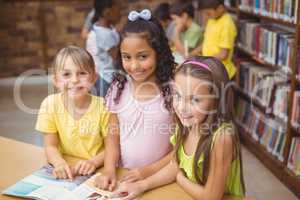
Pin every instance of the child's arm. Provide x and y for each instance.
(144, 172)
(178, 44)
(61, 168)
(165, 176)
(87, 25)
(113, 52)
(91, 47)
(176, 40)
(221, 158)
(197, 51)
(223, 55)
(112, 154)
(87, 167)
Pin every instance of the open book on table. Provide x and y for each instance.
(44, 186)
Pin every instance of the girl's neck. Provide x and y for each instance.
(77, 108)
(103, 22)
(80, 103)
(146, 90)
(196, 130)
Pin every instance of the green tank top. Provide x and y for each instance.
(233, 181)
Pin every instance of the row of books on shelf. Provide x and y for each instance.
(269, 132)
(267, 87)
(296, 111)
(278, 9)
(269, 43)
(294, 156)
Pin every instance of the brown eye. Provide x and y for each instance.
(83, 73)
(66, 74)
(195, 100)
(125, 57)
(143, 57)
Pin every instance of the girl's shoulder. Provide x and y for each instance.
(115, 86)
(112, 100)
(52, 103)
(97, 100)
(52, 99)
(224, 134)
(224, 128)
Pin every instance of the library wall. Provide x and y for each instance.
(31, 32)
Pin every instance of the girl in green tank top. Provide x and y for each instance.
(207, 156)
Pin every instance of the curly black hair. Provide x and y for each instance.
(154, 33)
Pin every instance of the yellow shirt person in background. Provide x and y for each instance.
(74, 122)
(220, 33)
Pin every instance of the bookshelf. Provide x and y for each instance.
(263, 16)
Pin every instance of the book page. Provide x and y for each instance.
(43, 185)
(87, 191)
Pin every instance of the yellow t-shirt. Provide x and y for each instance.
(186, 163)
(81, 138)
(220, 34)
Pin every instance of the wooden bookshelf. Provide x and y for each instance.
(267, 18)
(255, 102)
(298, 79)
(290, 181)
(278, 168)
(263, 155)
(258, 60)
(295, 131)
(272, 163)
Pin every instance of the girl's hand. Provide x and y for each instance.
(179, 26)
(85, 167)
(132, 176)
(128, 191)
(106, 181)
(62, 171)
(180, 176)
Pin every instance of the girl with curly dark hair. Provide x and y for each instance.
(207, 160)
(139, 102)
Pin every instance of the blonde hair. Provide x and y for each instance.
(79, 56)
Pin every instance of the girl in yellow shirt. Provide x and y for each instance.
(207, 152)
(73, 121)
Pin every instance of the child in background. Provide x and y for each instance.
(162, 13)
(139, 101)
(187, 34)
(103, 40)
(87, 26)
(207, 161)
(73, 121)
(220, 33)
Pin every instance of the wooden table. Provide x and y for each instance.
(20, 159)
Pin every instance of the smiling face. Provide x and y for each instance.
(75, 81)
(138, 58)
(192, 99)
